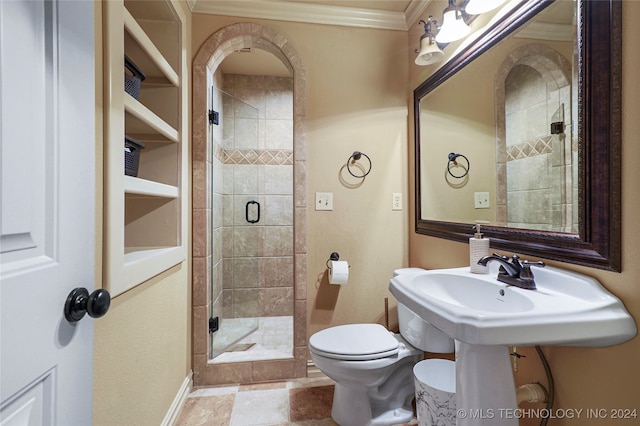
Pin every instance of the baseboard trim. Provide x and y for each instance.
(314, 372)
(178, 402)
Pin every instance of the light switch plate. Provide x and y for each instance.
(481, 200)
(324, 200)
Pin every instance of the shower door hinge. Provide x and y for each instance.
(213, 117)
(213, 324)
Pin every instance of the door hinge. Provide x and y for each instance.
(213, 117)
(213, 324)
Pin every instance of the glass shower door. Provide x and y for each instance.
(236, 221)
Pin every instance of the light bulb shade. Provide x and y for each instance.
(429, 54)
(453, 27)
(476, 7)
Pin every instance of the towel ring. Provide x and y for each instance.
(452, 160)
(355, 157)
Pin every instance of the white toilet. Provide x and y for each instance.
(373, 368)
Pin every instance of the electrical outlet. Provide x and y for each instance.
(396, 201)
(324, 200)
(481, 200)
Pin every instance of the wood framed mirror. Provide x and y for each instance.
(594, 240)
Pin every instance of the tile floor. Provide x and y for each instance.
(293, 402)
(301, 402)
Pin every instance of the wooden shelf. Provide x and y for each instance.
(142, 263)
(150, 138)
(136, 108)
(137, 186)
(136, 31)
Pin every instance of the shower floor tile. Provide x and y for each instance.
(272, 340)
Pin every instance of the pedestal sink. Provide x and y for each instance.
(486, 316)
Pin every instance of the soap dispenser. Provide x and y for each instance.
(478, 248)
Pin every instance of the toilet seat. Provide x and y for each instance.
(354, 342)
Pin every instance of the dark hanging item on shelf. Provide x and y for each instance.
(453, 161)
(357, 155)
(132, 149)
(133, 78)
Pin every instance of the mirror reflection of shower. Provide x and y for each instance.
(252, 266)
(541, 160)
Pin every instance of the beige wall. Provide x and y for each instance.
(356, 95)
(142, 347)
(141, 351)
(584, 378)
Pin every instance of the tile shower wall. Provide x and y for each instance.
(257, 276)
(538, 163)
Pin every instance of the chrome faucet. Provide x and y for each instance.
(512, 271)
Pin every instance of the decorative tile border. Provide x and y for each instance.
(268, 157)
(258, 156)
(532, 148)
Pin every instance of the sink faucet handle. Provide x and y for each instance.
(538, 264)
(526, 274)
(501, 256)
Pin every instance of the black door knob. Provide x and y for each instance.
(80, 302)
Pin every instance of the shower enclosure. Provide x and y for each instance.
(251, 134)
(538, 166)
(539, 151)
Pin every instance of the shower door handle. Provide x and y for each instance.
(246, 212)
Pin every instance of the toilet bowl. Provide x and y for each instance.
(372, 370)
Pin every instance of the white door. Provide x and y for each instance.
(47, 222)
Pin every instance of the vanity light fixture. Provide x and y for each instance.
(453, 25)
(476, 7)
(429, 52)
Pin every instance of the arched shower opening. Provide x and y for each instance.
(244, 254)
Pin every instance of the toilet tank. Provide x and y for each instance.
(417, 331)
(421, 334)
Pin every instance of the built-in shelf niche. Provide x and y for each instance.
(145, 219)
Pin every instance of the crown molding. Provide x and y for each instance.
(313, 13)
(415, 10)
(547, 31)
(191, 4)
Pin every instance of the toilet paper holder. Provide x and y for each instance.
(332, 258)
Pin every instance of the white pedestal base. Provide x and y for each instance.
(485, 390)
